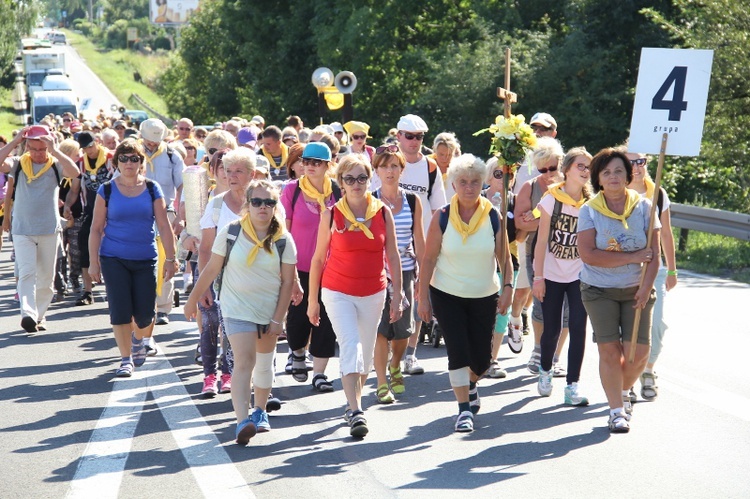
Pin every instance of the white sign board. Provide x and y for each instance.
(670, 97)
(172, 11)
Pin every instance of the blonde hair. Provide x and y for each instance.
(70, 148)
(546, 150)
(276, 221)
(219, 139)
(349, 162)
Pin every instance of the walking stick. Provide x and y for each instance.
(649, 235)
(506, 176)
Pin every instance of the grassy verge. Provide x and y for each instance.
(9, 121)
(715, 255)
(116, 67)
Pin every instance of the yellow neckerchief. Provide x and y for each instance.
(150, 159)
(650, 186)
(247, 226)
(28, 168)
(310, 191)
(477, 219)
(373, 206)
(66, 182)
(559, 194)
(284, 156)
(100, 160)
(600, 204)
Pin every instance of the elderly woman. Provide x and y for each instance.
(445, 147)
(349, 266)
(612, 236)
(666, 279)
(122, 249)
(557, 266)
(465, 297)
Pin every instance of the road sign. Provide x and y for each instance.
(132, 34)
(670, 97)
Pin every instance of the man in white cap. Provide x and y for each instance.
(31, 209)
(163, 165)
(339, 133)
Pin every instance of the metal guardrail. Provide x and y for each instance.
(167, 121)
(709, 220)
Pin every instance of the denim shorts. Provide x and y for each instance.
(235, 326)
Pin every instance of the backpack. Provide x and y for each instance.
(108, 191)
(445, 213)
(336, 192)
(18, 170)
(232, 234)
(411, 200)
(432, 169)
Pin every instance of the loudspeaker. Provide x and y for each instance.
(345, 82)
(322, 77)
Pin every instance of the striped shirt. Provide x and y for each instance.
(404, 236)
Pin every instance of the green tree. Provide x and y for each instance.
(17, 18)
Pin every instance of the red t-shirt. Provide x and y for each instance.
(356, 264)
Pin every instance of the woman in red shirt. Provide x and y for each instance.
(348, 264)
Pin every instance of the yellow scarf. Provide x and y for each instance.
(284, 156)
(247, 226)
(477, 219)
(600, 204)
(373, 206)
(28, 168)
(66, 182)
(150, 159)
(310, 191)
(100, 160)
(559, 194)
(650, 186)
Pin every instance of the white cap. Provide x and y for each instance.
(337, 127)
(411, 123)
(258, 119)
(544, 119)
(153, 130)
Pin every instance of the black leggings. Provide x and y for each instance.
(552, 309)
(467, 325)
(299, 329)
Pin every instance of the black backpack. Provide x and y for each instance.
(108, 190)
(445, 213)
(18, 170)
(336, 192)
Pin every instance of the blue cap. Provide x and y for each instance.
(317, 150)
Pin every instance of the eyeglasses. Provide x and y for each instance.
(541, 128)
(545, 170)
(313, 162)
(359, 137)
(388, 148)
(212, 151)
(638, 162)
(124, 158)
(413, 136)
(184, 128)
(258, 202)
(361, 180)
(190, 148)
(31, 149)
(583, 167)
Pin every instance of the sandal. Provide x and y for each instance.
(358, 424)
(138, 351)
(384, 394)
(299, 369)
(320, 383)
(649, 390)
(125, 370)
(397, 380)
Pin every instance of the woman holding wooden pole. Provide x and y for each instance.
(612, 242)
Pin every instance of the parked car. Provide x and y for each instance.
(59, 37)
(135, 116)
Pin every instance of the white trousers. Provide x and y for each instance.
(355, 321)
(35, 262)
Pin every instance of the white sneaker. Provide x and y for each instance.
(495, 371)
(544, 385)
(572, 397)
(515, 337)
(411, 365)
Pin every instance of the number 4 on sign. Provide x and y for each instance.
(677, 105)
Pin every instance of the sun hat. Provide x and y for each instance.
(153, 130)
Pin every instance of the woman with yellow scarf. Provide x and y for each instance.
(459, 276)
(255, 293)
(557, 266)
(612, 237)
(348, 264)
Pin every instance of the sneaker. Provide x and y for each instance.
(572, 397)
(496, 371)
(209, 387)
(151, 349)
(525, 322)
(619, 423)
(29, 324)
(534, 361)
(226, 383)
(558, 371)
(245, 431)
(544, 385)
(162, 319)
(273, 403)
(411, 365)
(259, 418)
(465, 422)
(515, 338)
(649, 390)
(87, 298)
(41, 324)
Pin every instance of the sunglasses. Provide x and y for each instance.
(497, 174)
(212, 151)
(545, 170)
(413, 136)
(359, 137)
(184, 128)
(124, 158)
(540, 128)
(200, 135)
(313, 162)
(190, 148)
(258, 202)
(119, 128)
(388, 148)
(66, 120)
(350, 179)
(638, 162)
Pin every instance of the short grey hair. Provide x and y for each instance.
(467, 165)
(109, 133)
(449, 140)
(242, 156)
(546, 150)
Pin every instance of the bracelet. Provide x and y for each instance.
(672, 272)
(277, 323)
(538, 278)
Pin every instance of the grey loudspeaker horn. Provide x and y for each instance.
(345, 82)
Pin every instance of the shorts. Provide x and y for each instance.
(404, 327)
(236, 326)
(131, 290)
(523, 278)
(612, 314)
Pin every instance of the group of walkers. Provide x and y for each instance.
(317, 237)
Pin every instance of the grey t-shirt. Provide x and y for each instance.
(35, 211)
(611, 235)
(168, 173)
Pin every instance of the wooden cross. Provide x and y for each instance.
(505, 94)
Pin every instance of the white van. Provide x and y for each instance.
(56, 82)
(55, 102)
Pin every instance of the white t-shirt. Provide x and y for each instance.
(251, 293)
(562, 263)
(226, 215)
(523, 175)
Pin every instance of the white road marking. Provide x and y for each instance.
(102, 465)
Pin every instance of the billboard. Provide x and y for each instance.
(172, 11)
